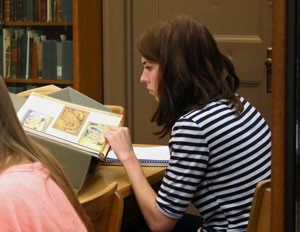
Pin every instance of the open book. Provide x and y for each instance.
(147, 156)
(67, 123)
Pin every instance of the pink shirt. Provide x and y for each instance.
(30, 201)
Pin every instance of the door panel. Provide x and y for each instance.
(241, 28)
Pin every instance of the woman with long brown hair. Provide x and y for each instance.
(34, 190)
(220, 145)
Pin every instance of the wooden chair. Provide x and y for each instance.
(105, 209)
(260, 215)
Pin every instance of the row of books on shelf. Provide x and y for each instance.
(36, 10)
(20, 88)
(30, 55)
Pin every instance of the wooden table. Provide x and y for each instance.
(104, 175)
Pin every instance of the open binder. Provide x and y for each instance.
(68, 123)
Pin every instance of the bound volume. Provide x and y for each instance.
(67, 123)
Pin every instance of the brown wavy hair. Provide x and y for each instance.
(194, 71)
(16, 147)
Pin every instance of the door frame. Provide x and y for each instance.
(278, 115)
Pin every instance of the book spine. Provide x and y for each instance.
(40, 59)
(34, 65)
(14, 58)
(39, 10)
(30, 57)
(29, 33)
(13, 9)
(1, 12)
(29, 10)
(49, 60)
(53, 8)
(1, 56)
(59, 59)
(19, 10)
(43, 10)
(24, 10)
(7, 34)
(4, 33)
(6, 11)
(23, 54)
(58, 11)
(49, 11)
(66, 10)
(67, 60)
(19, 57)
(35, 12)
(28, 51)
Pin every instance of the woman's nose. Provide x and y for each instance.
(143, 78)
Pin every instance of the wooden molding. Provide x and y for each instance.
(278, 114)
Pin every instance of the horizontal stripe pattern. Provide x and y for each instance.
(217, 158)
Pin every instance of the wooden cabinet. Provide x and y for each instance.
(85, 30)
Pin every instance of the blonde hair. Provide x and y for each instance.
(16, 146)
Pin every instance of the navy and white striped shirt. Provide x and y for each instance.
(217, 158)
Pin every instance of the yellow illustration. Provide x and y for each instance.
(36, 120)
(93, 136)
(71, 120)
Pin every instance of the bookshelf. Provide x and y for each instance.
(84, 29)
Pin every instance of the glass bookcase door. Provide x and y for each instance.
(297, 112)
(292, 136)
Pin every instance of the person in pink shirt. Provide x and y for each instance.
(34, 190)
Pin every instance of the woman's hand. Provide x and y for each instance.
(120, 141)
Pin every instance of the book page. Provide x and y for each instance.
(147, 154)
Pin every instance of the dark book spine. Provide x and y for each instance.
(49, 60)
(67, 60)
(34, 64)
(53, 10)
(35, 13)
(19, 10)
(29, 10)
(43, 10)
(23, 54)
(19, 54)
(39, 10)
(66, 10)
(59, 60)
(30, 57)
(24, 10)
(1, 12)
(13, 58)
(13, 10)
